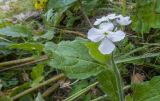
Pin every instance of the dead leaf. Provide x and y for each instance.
(137, 78)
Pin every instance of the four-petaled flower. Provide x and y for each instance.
(107, 33)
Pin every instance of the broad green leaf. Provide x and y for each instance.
(147, 91)
(27, 46)
(73, 58)
(5, 98)
(39, 97)
(15, 31)
(107, 81)
(94, 52)
(146, 15)
(60, 4)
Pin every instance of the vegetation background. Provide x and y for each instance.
(45, 55)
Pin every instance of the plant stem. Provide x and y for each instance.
(84, 13)
(118, 80)
(79, 93)
(55, 78)
(100, 98)
(123, 7)
(72, 32)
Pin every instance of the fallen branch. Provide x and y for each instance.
(53, 88)
(13, 62)
(42, 58)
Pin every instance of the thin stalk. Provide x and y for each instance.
(72, 32)
(55, 78)
(118, 80)
(84, 13)
(124, 7)
(79, 93)
(100, 98)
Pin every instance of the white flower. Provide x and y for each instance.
(100, 20)
(5, 7)
(106, 36)
(107, 18)
(112, 16)
(123, 20)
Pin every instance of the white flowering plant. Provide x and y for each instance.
(107, 31)
(99, 63)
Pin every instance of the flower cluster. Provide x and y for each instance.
(108, 31)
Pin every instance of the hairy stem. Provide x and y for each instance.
(118, 80)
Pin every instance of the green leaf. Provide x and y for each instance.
(15, 31)
(73, 58)
(94, 52)
(20, 89)
(37, 74)
(59, 4)
(39, 97)
(108, 84)
(132, 59)
(4, 23)
(146, 15)
(128, 98)
(37, 71)
(79, 93)
(147, 91)
(48, 35)
(5, 98)
(26, 98)
(27, 46)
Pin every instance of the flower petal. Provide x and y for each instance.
(111, 16)
(106, 46)
(123, 20)
(106, 26)
(95, 35)
(116, 36)
(100, 20)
